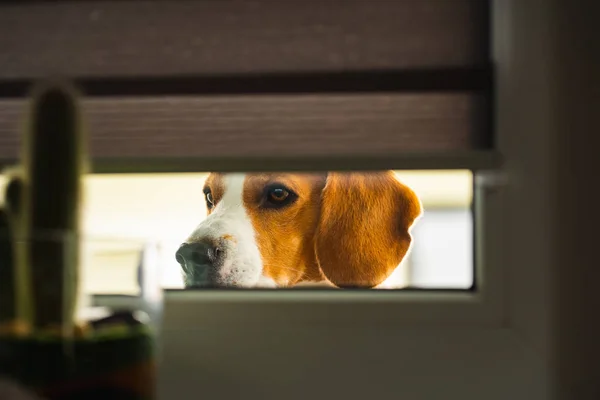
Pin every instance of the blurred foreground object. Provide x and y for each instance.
(41, 346)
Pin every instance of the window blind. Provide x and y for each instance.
(188, 85)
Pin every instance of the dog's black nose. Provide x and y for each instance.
(199, 261)
(199, 254)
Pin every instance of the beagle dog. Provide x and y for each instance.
(269, 230)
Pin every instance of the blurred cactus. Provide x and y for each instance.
(53, 163)
(39, 263)
(44, 214)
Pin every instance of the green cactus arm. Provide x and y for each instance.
(17, 271)
(7, 279)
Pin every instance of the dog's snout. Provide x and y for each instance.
(199, 255)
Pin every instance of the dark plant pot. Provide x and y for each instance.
(117, 364)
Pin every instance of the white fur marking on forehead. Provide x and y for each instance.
(234, 189)
(230, 218)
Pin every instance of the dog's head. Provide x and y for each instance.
(276, 230)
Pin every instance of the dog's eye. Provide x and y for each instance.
(278, 196)
(209, 199)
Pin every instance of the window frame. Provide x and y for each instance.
(477, 307)
(495, 343)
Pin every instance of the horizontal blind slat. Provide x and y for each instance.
(263, 126)
(259, 81)
(143, 38)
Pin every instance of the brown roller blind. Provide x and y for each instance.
(260, 80)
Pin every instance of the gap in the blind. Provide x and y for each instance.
(135, 223)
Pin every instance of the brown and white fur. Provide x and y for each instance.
(282, 229)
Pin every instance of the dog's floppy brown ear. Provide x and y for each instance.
(363, 231)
